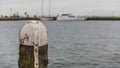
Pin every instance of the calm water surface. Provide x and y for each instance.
(72, 44)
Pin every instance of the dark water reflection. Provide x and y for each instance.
(72, 44)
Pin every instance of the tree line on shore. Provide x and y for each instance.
(17, 15)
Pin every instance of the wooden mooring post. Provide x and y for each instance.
(33, 46)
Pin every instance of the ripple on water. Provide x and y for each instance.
(73, 64)
(8, 54)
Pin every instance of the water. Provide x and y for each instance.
(72, 44)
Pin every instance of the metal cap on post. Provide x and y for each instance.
(33, 49)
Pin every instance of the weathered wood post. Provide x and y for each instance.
(33, 48)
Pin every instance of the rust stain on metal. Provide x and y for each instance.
(36, 50)
(28, 22)
(21, 41)
(37, 22)
(36, 63)
(36, 45)
(26, 37)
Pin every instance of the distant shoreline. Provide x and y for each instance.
(103, 18)
(27, 18)
(10, 19)
(88, 18)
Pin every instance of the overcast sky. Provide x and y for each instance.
(81, 7)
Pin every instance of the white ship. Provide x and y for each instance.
(70, 17)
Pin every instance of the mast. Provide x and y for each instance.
(113, 13)
(11, 12)
(42, 6)
(49, 8)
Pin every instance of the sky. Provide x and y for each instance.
(76, 7)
